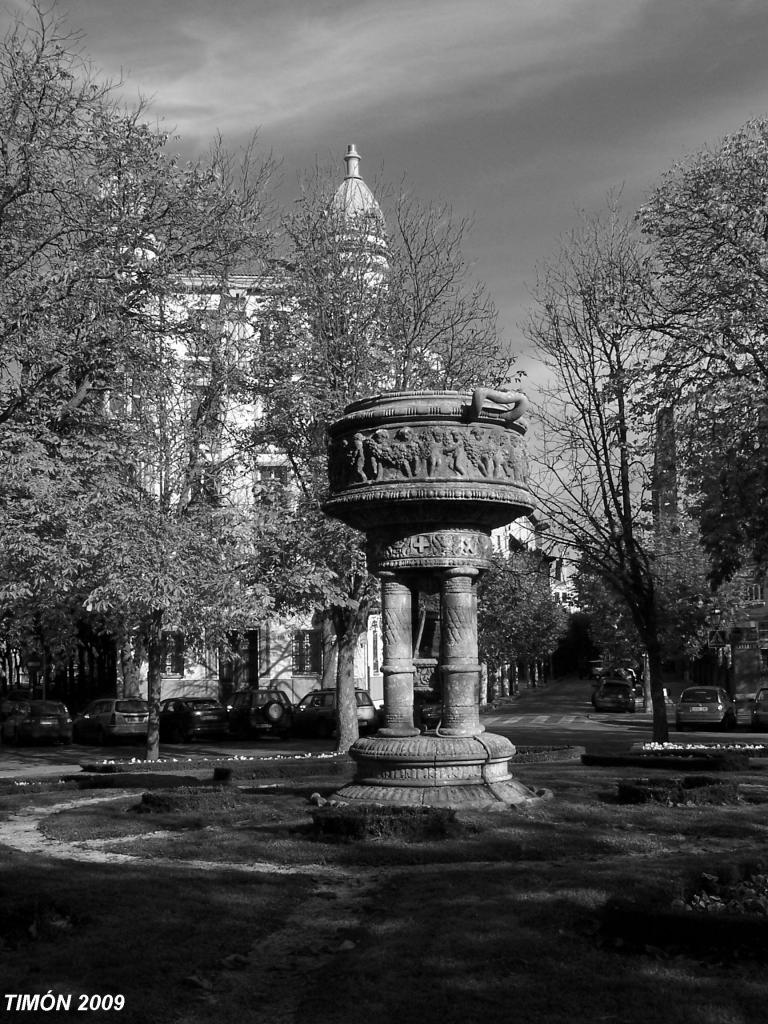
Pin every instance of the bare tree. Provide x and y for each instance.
(364, 306)
(599, 476)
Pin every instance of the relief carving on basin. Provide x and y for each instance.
(412, 457)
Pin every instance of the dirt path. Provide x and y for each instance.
(278, 973)
(21, 831)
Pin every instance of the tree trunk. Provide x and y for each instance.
(514, 677)
(349, 624)
(129, 681)
(154, 681)
(330, 651)
(496, 683)
(658, 704)
(504, 682)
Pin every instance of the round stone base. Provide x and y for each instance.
(436, 771)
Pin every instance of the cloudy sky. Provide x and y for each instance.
(518, 112)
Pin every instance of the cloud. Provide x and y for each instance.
(519, 111)
(287, 64)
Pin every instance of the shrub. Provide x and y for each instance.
(350, 822)
(690, 789)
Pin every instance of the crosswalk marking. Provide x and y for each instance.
(534, 719)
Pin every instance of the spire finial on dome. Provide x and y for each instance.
(352, 160)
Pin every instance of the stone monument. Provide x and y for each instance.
(427, 476)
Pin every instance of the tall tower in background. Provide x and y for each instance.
(664, 486)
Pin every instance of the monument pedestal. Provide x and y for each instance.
(436, 771)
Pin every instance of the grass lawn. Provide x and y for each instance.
(233, 911)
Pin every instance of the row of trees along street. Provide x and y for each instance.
(653, 459)
(123, 386)
(519, 623)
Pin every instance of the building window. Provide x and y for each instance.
(306, 652)
(173, 654)
(754, 593)
(271, 476)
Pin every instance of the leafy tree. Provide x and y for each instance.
(518, 619)
(601, 486)
(114, 386)
(708, 223)
(359, 313)
(611, 628)
(680, 573)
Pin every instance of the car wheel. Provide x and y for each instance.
(274, 712)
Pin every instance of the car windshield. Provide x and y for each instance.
(698, 695)
(761, 695)
(363, 700)
(131, 706)
(614, 688)
(264, 696)
(197, 703)
(47, 707)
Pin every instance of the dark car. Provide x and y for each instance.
(316, 713)
(37, 721)
(260, 711)
(11, 698)
(759, 714)
(705, 705)
(112, 718)
(187, 718)
(617, 695)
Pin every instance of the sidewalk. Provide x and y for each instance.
(261, 767)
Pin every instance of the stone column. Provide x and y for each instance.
(459, 666)
(398, 668)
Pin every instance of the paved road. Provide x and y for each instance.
(561, 712)
(558, 713)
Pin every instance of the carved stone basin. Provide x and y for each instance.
(417, 457)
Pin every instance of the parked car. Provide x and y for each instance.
(617, 695)
(112, 718)
(260, 711)
(186, 718)
(427, 710)
(34, 721)
(759, 715)
(316, 713)
(705, 705)
(11, 698)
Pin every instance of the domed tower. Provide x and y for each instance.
(362, 228)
